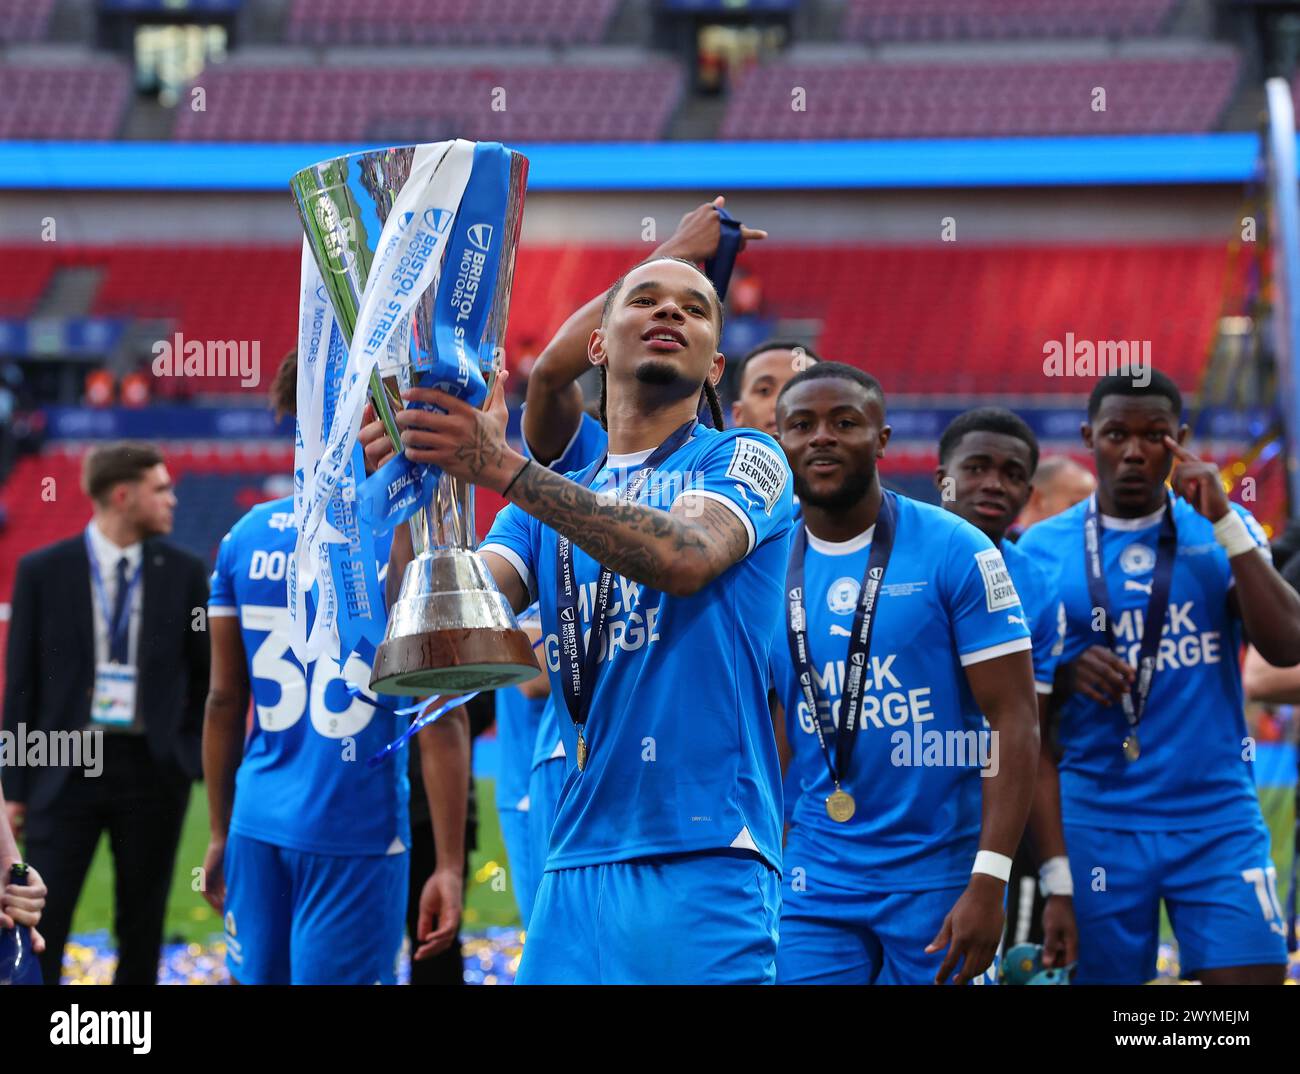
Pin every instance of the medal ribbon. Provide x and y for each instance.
(855, 667)
(1135, 699)
(579, 679)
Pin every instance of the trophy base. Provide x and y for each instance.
(452, 662)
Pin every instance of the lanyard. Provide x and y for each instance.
(579, 671)
(855, 668)
(1135, 699)
(116, 629)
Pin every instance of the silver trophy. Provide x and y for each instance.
(451, 630)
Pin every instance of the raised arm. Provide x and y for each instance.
(554, 398)
(1268, 606)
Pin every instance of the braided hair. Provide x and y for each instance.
(709, 393)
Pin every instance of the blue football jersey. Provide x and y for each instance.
(1193, 769)
(549, 743)
(1043, 613)
(682, 755)
(304, 782)
(946, 602)
(588, 443)
(517, 720)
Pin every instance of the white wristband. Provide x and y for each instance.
(993, 863)
(1055, 878)
(1230, 531)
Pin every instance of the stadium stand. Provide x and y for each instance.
(941, 20)
(1165, 94)
(961, 320)
(541, 103)
(85, 101)
(215, 485)
(448, 22)
(950, 319)
(22, 21)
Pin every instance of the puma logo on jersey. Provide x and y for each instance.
(838, 631)
(752, 503)
(1137, 587)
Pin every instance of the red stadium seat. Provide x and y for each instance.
(943, 20)
(988, 99)
(542, 103)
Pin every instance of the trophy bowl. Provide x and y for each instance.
(451, 629)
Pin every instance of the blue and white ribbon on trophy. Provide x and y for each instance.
(349, 602)
(464, 301)
(328, 458)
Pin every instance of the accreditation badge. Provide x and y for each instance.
(113, 700)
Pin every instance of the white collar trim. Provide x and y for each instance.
(841, 548)
(626, 462)
(1110, 522)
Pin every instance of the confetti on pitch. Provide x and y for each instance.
(491, 958)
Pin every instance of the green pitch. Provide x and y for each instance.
(489, 899)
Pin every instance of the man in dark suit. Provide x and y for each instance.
(107, 638)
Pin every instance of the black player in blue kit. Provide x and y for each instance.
(1157, 781)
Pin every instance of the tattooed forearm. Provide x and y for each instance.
(662, 550)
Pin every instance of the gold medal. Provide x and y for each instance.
(840, 806)
(582, 752)
(1132, 751)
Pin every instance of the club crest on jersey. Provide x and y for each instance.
(999, 592)
(756, 466)
(1137, 559)
(842, 596)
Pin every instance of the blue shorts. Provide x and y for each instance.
(1219, 886)
(544, 787)
(707, 918)
(519, 855)
(833, 935)
(299, 918)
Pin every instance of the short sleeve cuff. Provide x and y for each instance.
(1042, 687)
(222, 611)
(512, 557)
(992, 652)
(736, 509)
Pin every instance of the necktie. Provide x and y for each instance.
(118, 641)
